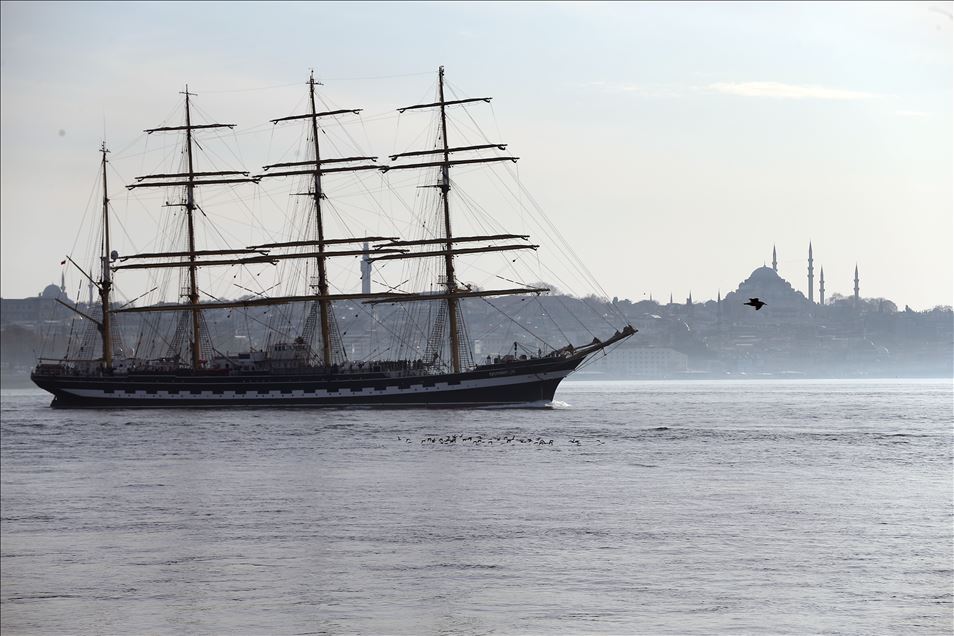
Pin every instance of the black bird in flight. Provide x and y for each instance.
(755, 302)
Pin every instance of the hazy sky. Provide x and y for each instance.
(675, 143)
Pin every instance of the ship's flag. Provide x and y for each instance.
(63, 262)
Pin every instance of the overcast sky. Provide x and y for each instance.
(673, 143)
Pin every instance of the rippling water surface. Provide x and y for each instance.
(677, 507)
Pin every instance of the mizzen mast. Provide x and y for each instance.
(190, 183)
(105, 283)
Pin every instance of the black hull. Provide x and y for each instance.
(516, 383)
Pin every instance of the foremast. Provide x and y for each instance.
(453, 293)
(324, 304)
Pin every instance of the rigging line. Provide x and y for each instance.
(89, 203)
(301, 100)
(401, 307)
(374, 77)
(122, 226)
(570, 250)
(562, 301)
(340, 217)
(364, 131)
(211, 155)
(605, 351)
(121, 154)
(146, 151)
(484, 220)
(548, 232)
(466, 131)
(370, 314)
(551, 319)
(520, 204)
(271, 142)
(562, 245)
(292, 149)
(493, 116)
(268, 326)
(426, 132)
(246, 90)
(415, 218)
(238, 147)
(551, 232)
(210, 222)
(377, 351)
(354, 143)
(397, 130)
(560, 280)
(157, 334)
(514, 321)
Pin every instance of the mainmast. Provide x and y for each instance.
(451, 283)
(190, 206)
(105, 283)
(320, 261)
(316, 169)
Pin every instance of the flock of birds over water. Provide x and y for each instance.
(479, 440)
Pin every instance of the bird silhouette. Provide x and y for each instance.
(755, 302)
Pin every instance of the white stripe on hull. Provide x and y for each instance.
(342, 395)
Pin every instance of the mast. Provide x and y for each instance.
(105, 283)
(316, 168)
(452, 293)
(323, 304)
(190, 208)
(190, 183)
(452, 302)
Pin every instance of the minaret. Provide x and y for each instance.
(811, 275)
(774, 260)
(821, 287)
(63, 282)
(366, 271)
(857, 280)
(719, 307)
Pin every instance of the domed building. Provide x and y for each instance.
(52, 292)
(779, 296)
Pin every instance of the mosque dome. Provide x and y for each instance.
(52, 291)
(765, 283)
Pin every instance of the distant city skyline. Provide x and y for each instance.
(674, 144)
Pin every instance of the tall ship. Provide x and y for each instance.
(431, 361)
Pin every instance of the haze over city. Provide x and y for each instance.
(675, 144)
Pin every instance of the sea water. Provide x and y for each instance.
(658, 508)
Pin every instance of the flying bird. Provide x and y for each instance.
(755, 302)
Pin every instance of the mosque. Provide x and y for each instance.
(52, 292)
(766, 283)
(42, 307)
